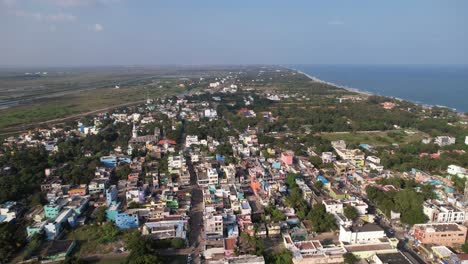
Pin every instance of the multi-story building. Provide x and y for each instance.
(212, 174)
(175, 162)
(111, 195)
(333, 206)
(361, 233)
(440, 234)
(52, 210)
(444, 141)
(165, 229)
(213, 225)
(328, 157)
(125, 220)
(54, 228)
(98, 185)
(456, 170)
(287, 157)
(443, 213)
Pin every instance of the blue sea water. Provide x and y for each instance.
(445, 85)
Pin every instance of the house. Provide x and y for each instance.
(361, 233)
(165, 229)
(125, 220)
(54, 228)
(52, 210)
(443, 141)
(7, 212)
(98, 185)
(287, 157)
(81, 189)
(391, 258)
(443, 213)
(388, 105)
(58, 250)
(456, 170)
(328, 157)
(440, 234)
(214, 225)
(333, 206)
(111, 195)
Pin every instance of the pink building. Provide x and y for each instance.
(287, 157)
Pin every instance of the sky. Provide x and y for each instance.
(194, 32)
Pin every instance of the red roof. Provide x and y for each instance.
(168, 141)
(229, 243)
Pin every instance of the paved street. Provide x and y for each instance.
(196, 216)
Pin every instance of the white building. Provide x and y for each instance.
(444, 140)
(214, 84)
(175, 162)
(455, 170)
(366, 233)
(328, 157)
(245, 207)
(165, 229)
(443, 213)
(212, 174)
(373, 159)
(191, 140)
(333, 206)
(210, 113)
(213, 225)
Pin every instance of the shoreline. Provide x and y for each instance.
(367, 93)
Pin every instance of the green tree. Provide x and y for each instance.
(177, 243)
(101, 214)
(318, 184)
(350, 258)
(351, 212)
(465, 247)
(10, 241)
(282, 257)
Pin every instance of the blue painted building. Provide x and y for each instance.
(322, 179)
(124, 220)
(112, 211)
(113, 161)
(220, 157)
(111, 195)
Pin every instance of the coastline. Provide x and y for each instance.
(367, 93)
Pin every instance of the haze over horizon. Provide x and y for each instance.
(124, 32)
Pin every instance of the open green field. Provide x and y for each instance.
(21, 117)
(379, 138)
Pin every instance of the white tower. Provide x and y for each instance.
(134, 131)
(465, 196)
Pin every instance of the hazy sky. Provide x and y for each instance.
(110, 32)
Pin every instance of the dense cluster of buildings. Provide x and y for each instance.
(156, 195)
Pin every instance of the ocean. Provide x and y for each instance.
(442, 85)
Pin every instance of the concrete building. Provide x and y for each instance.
(125, 220)
(52, 210)
(328, 157)
(333, 206)
(165, 229)
(98, 185)
(444, 141)
(361, 234)
(443, 213)
(287, 157)
(54, 228)
(440, 234)
(213, 225)
(456, 170)
(111, 195)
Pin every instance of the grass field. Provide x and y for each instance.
(57, 107)
(380, 138)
